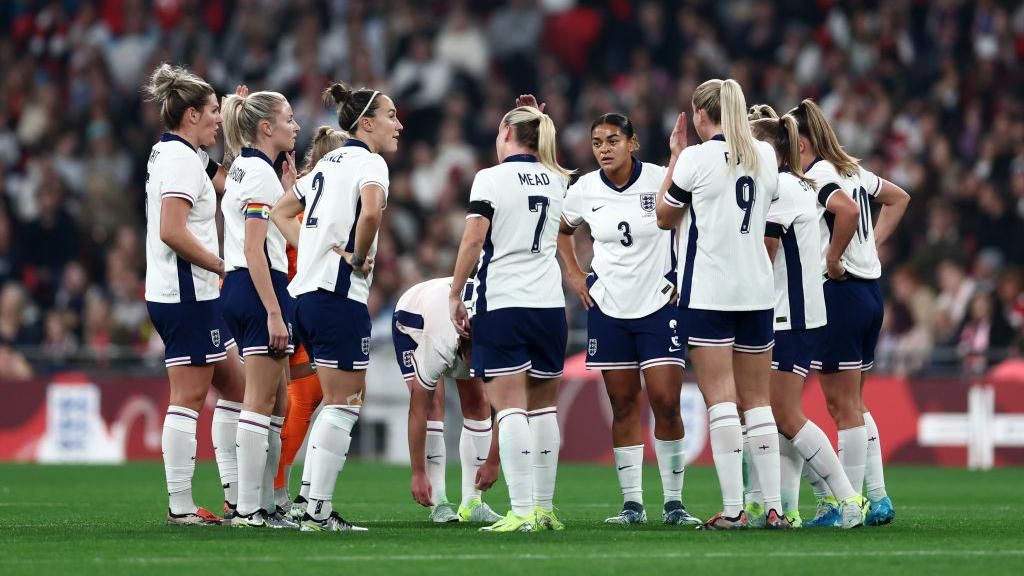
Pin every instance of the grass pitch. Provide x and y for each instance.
(109, 520)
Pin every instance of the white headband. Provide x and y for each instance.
(365, 108)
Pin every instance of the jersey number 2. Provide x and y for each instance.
(538, 204)
(745, 200)
(318, 189)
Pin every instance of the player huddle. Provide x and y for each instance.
(753, 255)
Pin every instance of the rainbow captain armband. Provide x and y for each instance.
(257, 210)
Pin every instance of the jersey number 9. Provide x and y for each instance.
(745, 195)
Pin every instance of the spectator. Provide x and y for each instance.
(985, 336)
(955, 292)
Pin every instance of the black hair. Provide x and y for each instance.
(351, 103)
(620, 121)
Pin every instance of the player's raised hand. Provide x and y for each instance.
(421, 490)
(529, 100)
(288, 172)
(677, 140)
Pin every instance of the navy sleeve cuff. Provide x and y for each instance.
(680, 195)
(773, 230)
(826, 193)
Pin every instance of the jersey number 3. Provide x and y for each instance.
(318, 189)
(538, 204)
(745, 200)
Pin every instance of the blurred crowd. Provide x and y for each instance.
(928, 94)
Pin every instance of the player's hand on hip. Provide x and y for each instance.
(278, 334)
(421, 490)
(363, 268)
(836, 270)
(578, 283)
(459, 315)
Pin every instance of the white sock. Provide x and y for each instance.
(790, 463)
(179, 447)
(253, 443)
(751, 484)
(670, 463)
(329, 443)
(853, 453)
(816, 451)
(545, 446)
(224, 432)
(268, 500)
(281, 495)
(437, 460)
(727, 449)
(514, 448)
(629, 465)
(763, 435)
(818, 484)
(307, 470)
(874, 477)
(474, 446)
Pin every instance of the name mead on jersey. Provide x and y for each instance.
(534, 179)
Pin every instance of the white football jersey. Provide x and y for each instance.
(518, 268)
(175, 171)
(330, 193)
(861, 255)
(250, 190)
(799, 297)
(726, 265)
(634, 260)
(428, 323)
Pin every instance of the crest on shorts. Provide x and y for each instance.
(215, 337)
(647, 202)
(407, 358)
(592, 347)
(366, 346)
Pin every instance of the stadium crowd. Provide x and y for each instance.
(929, 94)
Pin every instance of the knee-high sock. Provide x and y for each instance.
(224, 432)
(267, 496)
(545, 446)
(763, 435)
(179, 448)
(853, 453)
(253, 443)
(751, 483)
(514, 446)
(790, 464)
(474, 446)
(437, 461)
(629, 464)
(304, 394)
(329, 443)
(874, 476)
(670, 464)
(813, 445)
(818, 484)
(727, 449)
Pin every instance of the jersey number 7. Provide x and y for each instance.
(538, 204)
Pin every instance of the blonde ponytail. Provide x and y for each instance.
(325, 140)
(813, 125)
(535, 130)
(723, 102)
(242, 116)
(761, 111)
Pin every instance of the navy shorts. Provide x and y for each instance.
(334, 329)
(246, 315)
(750, 331)
(795, 349)
(634, 343)
(855, 313)
(194, 333)
(512, 340)
(405, 346)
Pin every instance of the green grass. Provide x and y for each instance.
(109, 520)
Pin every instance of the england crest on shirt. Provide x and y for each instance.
(648, 202)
